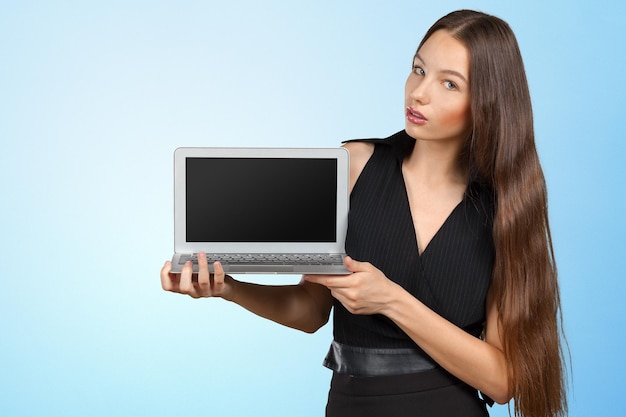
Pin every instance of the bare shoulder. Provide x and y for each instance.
(360, 153)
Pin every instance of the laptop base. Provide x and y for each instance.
(320, 264)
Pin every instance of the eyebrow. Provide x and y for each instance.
(445, 71)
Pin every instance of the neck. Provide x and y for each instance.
(436, 162)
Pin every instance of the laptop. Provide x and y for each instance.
(261, 210)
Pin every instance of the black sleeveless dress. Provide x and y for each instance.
(451, 276)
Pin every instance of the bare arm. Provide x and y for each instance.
(305, 306)
(360, 153)
(479, 363)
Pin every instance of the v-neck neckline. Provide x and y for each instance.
(420, 254)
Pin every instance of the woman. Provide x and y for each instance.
(453, 301)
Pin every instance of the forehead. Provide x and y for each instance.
(443, 52)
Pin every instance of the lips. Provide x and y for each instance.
(415, 117)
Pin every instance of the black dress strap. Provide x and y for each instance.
(401, 143)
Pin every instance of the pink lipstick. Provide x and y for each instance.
(415, 117)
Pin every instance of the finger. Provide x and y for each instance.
(186, 276)
(329, 281)
(316, 279)
(218, 277)
(356, 266)
(166, 277)
(204, 277)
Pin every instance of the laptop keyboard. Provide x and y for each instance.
(268, 259)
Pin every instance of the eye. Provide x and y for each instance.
(450, 85)
(419, 70)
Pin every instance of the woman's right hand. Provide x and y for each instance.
(202, 284)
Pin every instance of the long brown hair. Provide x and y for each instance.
(501, 152)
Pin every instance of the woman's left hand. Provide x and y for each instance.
(366, 291)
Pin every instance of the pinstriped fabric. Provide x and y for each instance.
(451, 276)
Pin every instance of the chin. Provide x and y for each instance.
(412, 131)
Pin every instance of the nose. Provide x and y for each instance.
(418, 89)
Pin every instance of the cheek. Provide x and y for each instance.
(457, 117)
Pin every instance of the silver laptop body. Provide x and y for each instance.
(262, 210)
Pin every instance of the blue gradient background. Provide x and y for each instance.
(95, 96)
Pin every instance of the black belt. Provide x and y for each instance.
(360, 361)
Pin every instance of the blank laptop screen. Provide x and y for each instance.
(261, 199)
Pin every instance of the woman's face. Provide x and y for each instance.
(437, 96)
